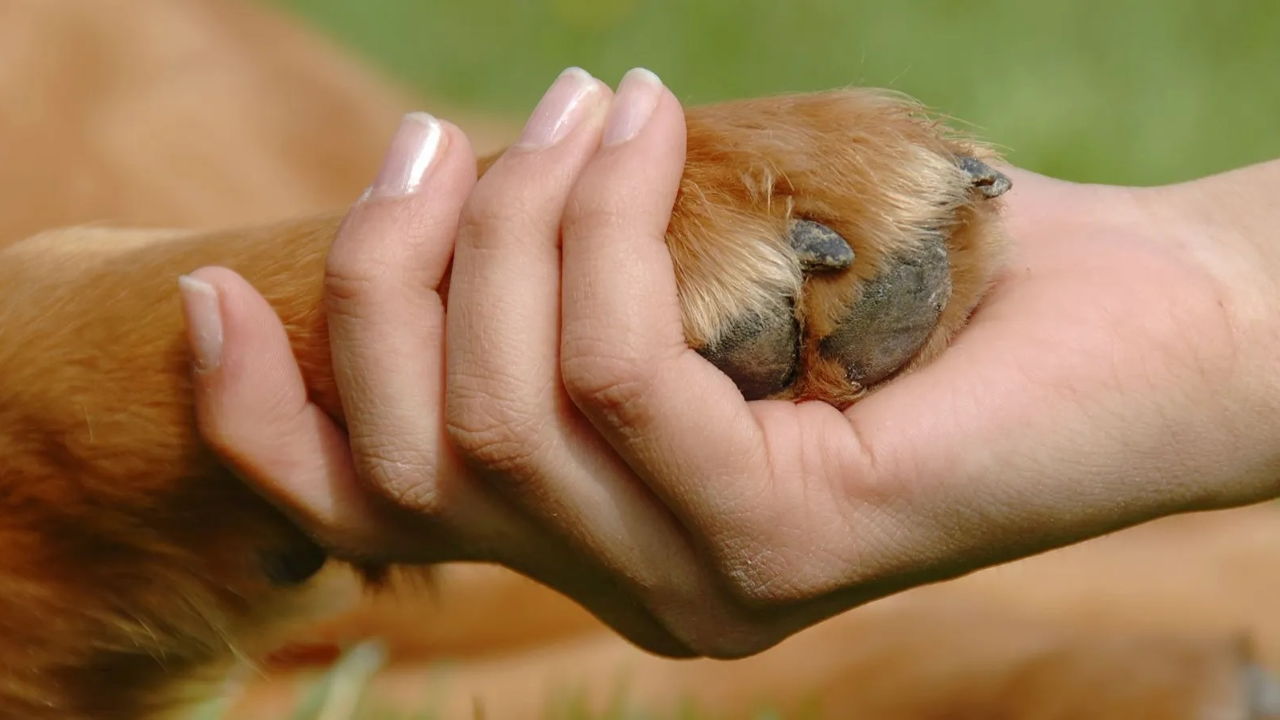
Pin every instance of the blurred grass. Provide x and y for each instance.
(342, 693)
(1121, 91)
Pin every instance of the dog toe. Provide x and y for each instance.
(758, 352)
(895, 314)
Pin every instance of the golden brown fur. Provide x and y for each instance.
(131, 561)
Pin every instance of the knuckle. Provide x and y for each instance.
(350, 268)
(755, 579)
(490, 446)
(494, 216)
(729, 632)
(348, 284)
(220, 433)
(612, 382)
(243, 432)
(494, 433)
(728, 629)
(737, 643)
(399, 471)
(233, 449)
(588, 212)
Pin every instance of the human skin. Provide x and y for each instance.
(1118, 371)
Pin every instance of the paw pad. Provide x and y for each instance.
(827, 243)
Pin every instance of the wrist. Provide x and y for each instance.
(1226, 224)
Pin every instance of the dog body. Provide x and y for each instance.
(132, 564)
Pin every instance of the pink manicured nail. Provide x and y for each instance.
(203, 312)
(560, 109)
(638, 95)
(413, 150)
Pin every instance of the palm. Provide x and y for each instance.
(1010, 442)
(1029, 431)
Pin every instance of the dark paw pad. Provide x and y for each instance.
(759, 353)
(895, 314)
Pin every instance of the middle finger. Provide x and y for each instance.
(504, 296)
(508, 411)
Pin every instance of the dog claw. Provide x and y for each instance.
(895, 315)
(988, 181)
(819, 248)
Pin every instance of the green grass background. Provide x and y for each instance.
(1117, 91)
(1120, 91)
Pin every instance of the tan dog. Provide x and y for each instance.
(131, 562)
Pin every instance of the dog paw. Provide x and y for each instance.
(826, 243)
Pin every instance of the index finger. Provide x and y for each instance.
(386, 318)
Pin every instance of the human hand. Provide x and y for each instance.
(1099, 385)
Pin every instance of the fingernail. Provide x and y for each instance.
(204, 321)
(638, 95)
(559, 111)
(412, 152)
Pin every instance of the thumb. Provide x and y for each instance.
(252, 409)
